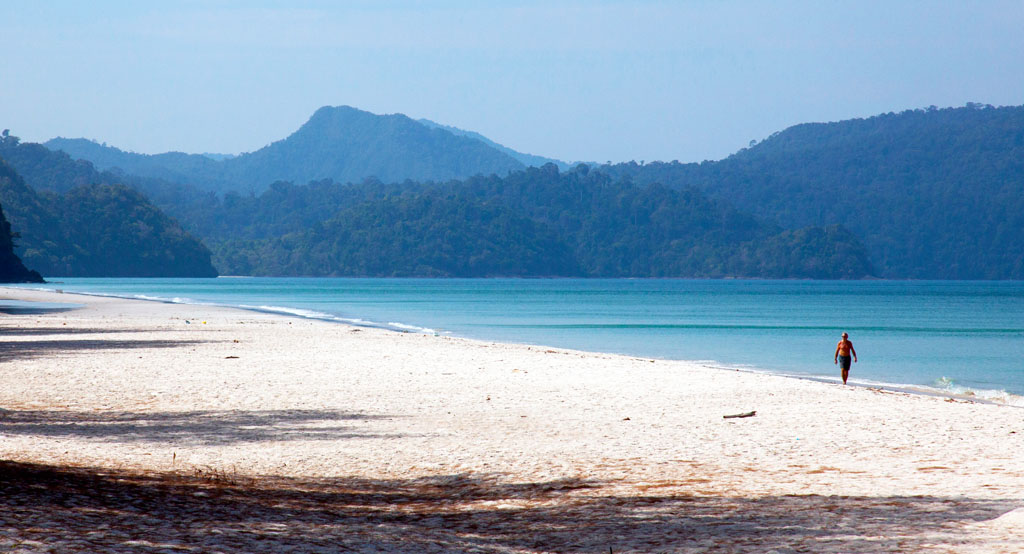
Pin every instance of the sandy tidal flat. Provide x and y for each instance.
(140, 426)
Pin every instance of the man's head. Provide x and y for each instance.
(845, 335)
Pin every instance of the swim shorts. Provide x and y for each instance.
(844, 362)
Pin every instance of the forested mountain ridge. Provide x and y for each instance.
(93, 229)
(338, 143)
(175, 167)
(933, 194)
(920, 194)
(422, 235)
(534, 222)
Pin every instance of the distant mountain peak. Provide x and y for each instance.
(328, 115)
(342, 143)
(348, 144)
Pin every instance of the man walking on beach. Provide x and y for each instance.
(843, 351)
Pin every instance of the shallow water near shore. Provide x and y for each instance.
(958, 337)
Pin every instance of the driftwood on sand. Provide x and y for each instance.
(745, 414)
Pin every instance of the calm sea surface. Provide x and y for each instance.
(958, 336)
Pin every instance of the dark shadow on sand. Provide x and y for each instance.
(18, 331)
(13, 350)
(81, 510)
(187, 428)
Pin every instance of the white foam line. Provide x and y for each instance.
(309, 314)
(164, 300)
(282, 310)
(989, 396)
(323, 316)
(413, 328)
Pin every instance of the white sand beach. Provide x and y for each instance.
(141, 426)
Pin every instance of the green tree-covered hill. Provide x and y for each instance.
(93, 229)
(12, 270)
(535, 222)
(933, 194)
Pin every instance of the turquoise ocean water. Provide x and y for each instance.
(962, 337)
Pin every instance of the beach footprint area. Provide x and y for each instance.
(131, 426)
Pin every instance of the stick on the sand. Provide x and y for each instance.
(748, 414)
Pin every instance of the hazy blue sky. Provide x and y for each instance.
(574, 80)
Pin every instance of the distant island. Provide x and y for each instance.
(924, 194)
